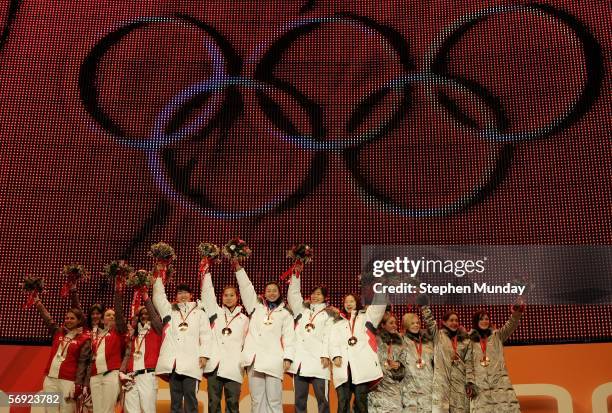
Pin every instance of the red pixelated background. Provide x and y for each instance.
(301, 144)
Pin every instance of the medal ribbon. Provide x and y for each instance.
(419, 348)
(389, 352)
(353, 326)
(232, 319)
(454, 344)
(63, 345)
(483, 347)
(268, 312)
(183, 319)
(311, 319)
(138, 344)
(96, 343)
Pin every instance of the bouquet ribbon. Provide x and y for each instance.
(137, 298)
(120, 283)
(160, 271)
(204, 266)
(30, 301)
(294, 269)
(65, 289)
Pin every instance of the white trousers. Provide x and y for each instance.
(104, 392)
(142, 396)
(64, 388)
(266, 392)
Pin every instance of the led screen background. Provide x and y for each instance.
(333, 123)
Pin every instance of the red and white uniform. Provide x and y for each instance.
(141, 362)
(108, 347)
(68, 360)
(69, 350)
(65, 354)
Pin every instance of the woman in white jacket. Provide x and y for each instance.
(185, 347)
(269, 345)
(229, 327)
(352, 348)
(313, 321)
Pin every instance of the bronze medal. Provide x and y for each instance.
(183, 326)
(352, 341)
(226, 331)
(420, 364)
(309, 327)
(485, 361)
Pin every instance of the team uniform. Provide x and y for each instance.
(140, 361)
(108, 348)
(223, 371)
(270, 340)
(312, 326)
(186, 338)
(353, 338)
(68, 362)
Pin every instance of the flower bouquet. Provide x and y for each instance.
(209, 254)
(118, 271)
(300, 254)
(141, 281)
(163, 255)
(73, 273)
(33, 286)
(236, 249)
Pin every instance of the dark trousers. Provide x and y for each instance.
(321, 390)
(346, 390)
(216, 387)
(183, 388)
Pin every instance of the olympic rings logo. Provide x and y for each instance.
(219, 92)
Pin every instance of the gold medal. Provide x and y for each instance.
(268, 321)
(420, 364)
(226, 331)
(183, 326)
(485, 361)
(352, 341)
(309, 327)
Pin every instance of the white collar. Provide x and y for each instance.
(235, 311)
(144, 328)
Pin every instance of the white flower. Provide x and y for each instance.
(232, 247)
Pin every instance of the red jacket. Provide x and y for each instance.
(152, 344)
(113, 346)
(72, 352)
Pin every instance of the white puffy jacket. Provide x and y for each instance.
(310, 345)
(226, 348)
(266, 346)
(361, 357)
(181, 347)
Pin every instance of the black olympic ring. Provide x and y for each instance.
(435, 73)
(436, 61)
